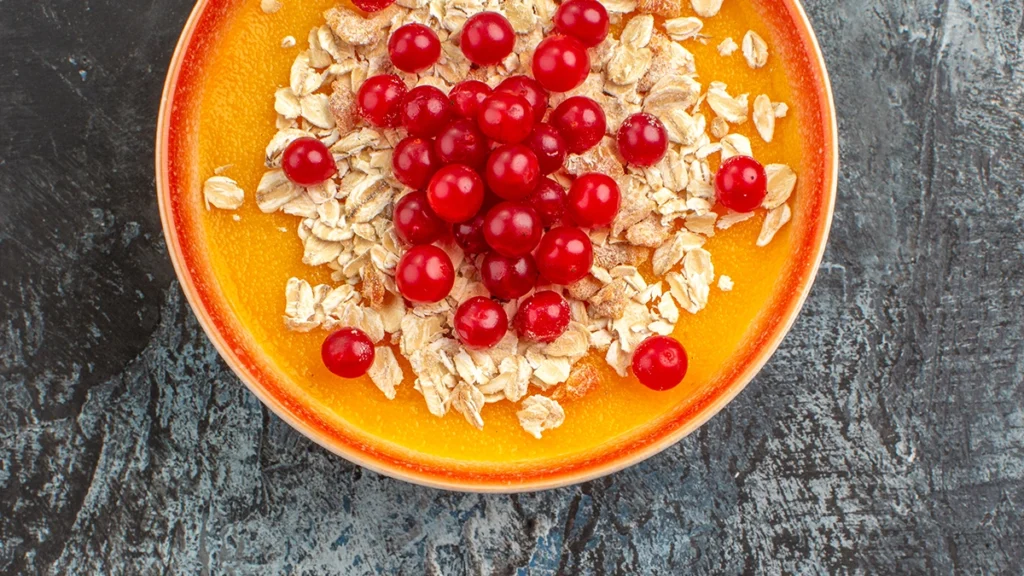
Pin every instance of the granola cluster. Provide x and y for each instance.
(666, 216)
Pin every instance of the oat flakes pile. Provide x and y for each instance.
(666, 215)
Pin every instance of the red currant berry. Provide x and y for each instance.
(741, 183)
(347, 352)
(462, 143)
(580, 121)
(415, 221)
(543, 317)
(308, 162)
(508, 278)
(549, 147)
(414, 162)
(414, 48)
(466, 97)
(560, 63)
(505, 117)
(548, 199)
(585, 20)
(565, 255)
(456, 193)
(512, 171)
(593, 200)
(469, 235)
(512, 229)
(372, 5)
(529, 89)
(425, 274)
(642, 140)
(379, 100)
(487, 38)
(660, 363)
(480, 322)
(426, 111)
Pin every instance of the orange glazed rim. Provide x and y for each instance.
(176, 137)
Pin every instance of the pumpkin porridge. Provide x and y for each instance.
(482, 231)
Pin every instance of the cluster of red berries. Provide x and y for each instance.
(478, 161)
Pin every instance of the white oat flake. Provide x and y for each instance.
(222, 192)
(539, 414)
(755, 50)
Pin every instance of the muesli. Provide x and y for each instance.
(489, 182)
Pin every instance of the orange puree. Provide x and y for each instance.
(253, 258)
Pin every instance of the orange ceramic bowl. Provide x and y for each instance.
(178, 188)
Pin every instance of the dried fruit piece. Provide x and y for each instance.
(583, 380)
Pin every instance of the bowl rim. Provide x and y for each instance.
(469, 482)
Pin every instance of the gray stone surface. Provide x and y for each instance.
(886, 436)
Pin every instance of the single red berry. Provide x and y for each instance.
(593, 200)
(308, 162)
(461, 142)
(580, 121)
(469, 235)
(512, 229)
(456, 193)
(505, 117)
(549, 147)
(425, 274)
(660, 363)
(584, 20)
(549, 200)
(480, 322)
(372, 5)
(487, 38)
(347, 352)
(529, 89)
(642, 140)
(426, 111)
(512, 171)
(543, 317)
(560, 63)
(414, 48)
(415, 221)
(466, 97)
(508, 278)
(564, 255)
(741, 183)
(414, 161)
(379, 100)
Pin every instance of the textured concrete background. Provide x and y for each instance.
(886, 435)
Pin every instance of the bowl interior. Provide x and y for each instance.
(180, 174)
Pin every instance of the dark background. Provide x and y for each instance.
(885, 436)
